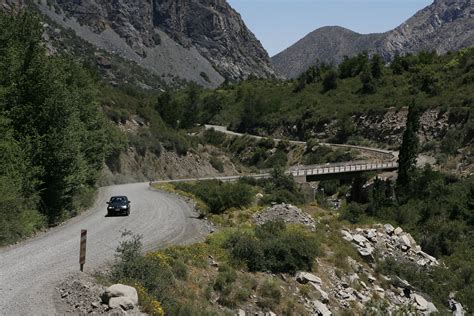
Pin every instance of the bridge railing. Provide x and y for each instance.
(336, 164)
(343, 168)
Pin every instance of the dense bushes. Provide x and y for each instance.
(220, 196)
(274, 247)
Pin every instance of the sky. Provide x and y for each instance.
(280, 23)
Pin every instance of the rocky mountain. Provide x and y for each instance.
(205, 41)
(329, 44)
(445, 25)
(9, 5)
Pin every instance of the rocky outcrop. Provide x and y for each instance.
(388, 242)
(218, 32)
(205, 41)
(445, 25)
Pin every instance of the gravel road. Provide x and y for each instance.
(29, 271)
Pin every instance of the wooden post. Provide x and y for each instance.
(82, 252)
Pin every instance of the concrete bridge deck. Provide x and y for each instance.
(311, 173)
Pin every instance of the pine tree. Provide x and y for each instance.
(376, 65)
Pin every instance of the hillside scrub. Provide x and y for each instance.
(180, 281)
(438, 212)
(361, 84)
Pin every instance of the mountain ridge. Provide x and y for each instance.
(205, 41)
(445, 25)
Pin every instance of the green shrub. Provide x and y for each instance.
(217, 164)
(220, 196)
(270, 294)
(353, 212)
(274, 247)
(214, 137)
(155, 275)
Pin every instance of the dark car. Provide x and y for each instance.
(118, 205)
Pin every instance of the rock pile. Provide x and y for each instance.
(389, 242)
(287, 213)
(80, 294)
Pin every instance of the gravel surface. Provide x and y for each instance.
(30, 271)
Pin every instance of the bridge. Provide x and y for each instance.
(312, 173)
(344, 170)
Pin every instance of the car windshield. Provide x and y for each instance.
(118, 199)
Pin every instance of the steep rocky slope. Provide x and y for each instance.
(10, 5)
(445, 25)
(205, 41)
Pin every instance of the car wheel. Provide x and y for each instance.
(128, 212)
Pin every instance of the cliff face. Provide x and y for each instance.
(218, 32)
(445, 25)
(209, 37)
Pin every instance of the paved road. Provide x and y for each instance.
(29, 271)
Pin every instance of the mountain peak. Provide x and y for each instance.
(445, 25)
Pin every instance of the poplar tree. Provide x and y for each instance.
(408, 153)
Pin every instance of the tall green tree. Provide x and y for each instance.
(376, 66)
(330, 80)
(368, 82)
(408, 153)
(190, 111)
(50, 102)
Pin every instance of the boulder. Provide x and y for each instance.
(431, 308)
(456, 308)
(344, 295)
(122, 302)
(421, 302)
(398, 231)
(389, 229)
(430, 258)
(346, 235)
(241, 312)
(359, 239)
(363, 298)
(371, 234)
(120, 290)
(405, 241)
(366, 252)
(321, 309)
(324, 296)
(412, 240)
(305, 277)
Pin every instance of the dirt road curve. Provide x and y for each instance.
(29, 271)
